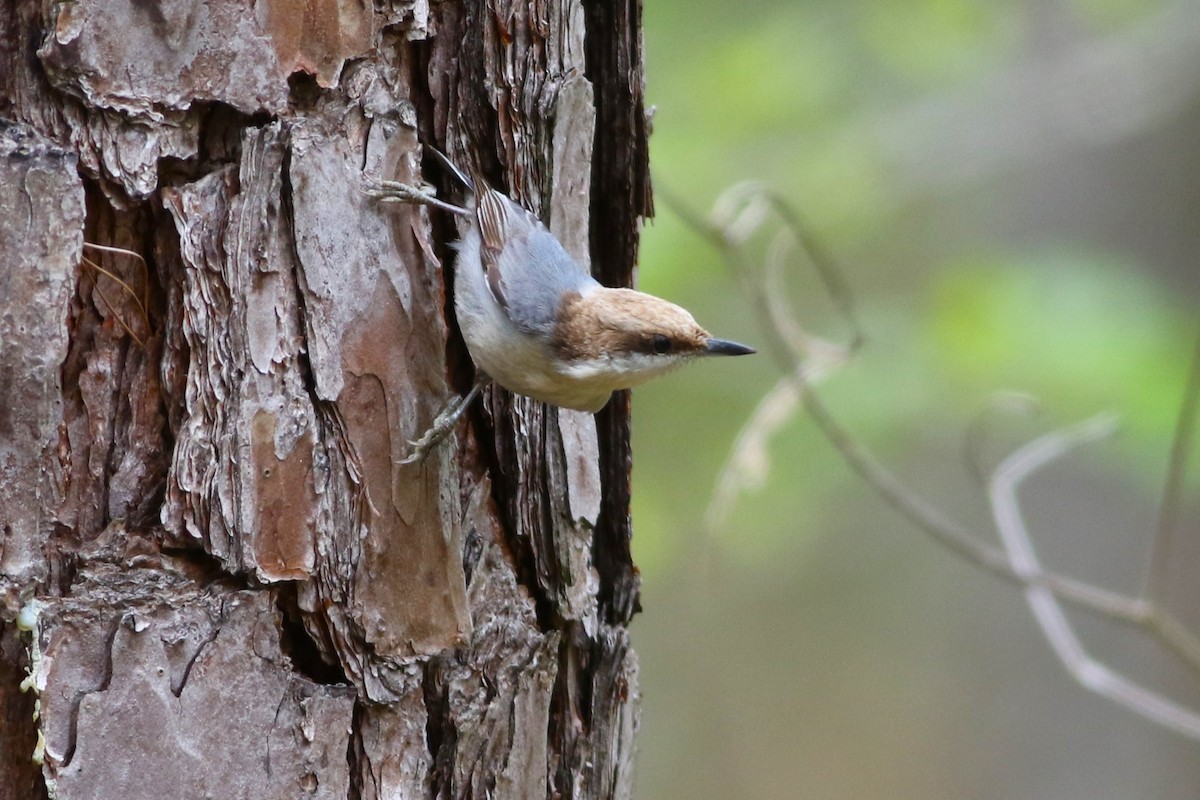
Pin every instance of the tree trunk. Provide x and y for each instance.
(216, 579)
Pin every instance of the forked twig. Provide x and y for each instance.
(956, 537)
(1044, 606)
(1016, 562)
(740, 212)
(891, 489)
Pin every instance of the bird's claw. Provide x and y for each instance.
(443, 424)
(421, 194)
(397, 192)
(421, 448)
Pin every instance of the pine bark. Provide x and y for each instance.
(215, 578)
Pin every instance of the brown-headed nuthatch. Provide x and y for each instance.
(537, 323)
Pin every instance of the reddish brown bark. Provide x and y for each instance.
(232, 587)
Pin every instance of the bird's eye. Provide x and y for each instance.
(660, 344)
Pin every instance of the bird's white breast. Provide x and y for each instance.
(520, 362)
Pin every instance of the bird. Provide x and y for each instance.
(536, 322)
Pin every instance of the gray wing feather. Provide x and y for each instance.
(527, 269)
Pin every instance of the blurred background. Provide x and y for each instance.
(1013, 192)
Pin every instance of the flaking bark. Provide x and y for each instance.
(224, 583)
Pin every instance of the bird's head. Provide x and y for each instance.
(624, 337)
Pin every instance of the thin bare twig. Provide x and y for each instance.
(910, 505)
(826, 267)
(1044, 606)
(957, 538)
(750, 447)
(788, 343)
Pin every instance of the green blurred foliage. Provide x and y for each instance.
(783, 93)
(1087, 333)
(794, 651)
(937, 41)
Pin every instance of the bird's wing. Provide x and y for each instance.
(527, 270)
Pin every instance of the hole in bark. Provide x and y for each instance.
(354, 754)
(22, 778)
(498, 455)
(203, 567)
(64, 563)
(472, 550)
(300, 648)
(222, 128)
(114, 412)
(441, 738)
(303, 89)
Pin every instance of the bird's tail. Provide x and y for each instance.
(453, 169)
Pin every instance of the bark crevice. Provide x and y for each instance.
(201, 488)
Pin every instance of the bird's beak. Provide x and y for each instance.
(722, 347)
